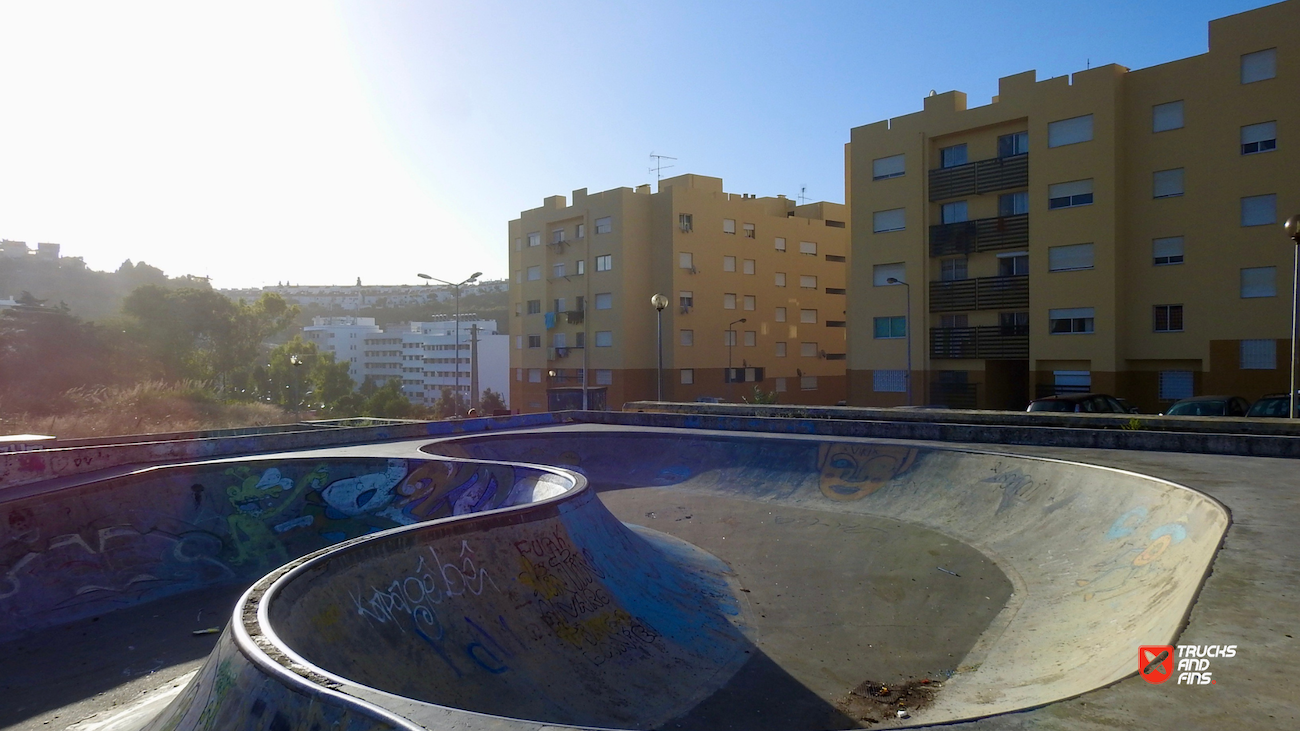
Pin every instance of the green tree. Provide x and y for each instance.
(388, 402)
(299, 376)
(491, 401)
(448, 404)
(44, 352)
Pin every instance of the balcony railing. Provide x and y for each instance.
(984, 234)
(954, 395)
(985, 293)
(992, 342)
(575, 317)
(983, 176)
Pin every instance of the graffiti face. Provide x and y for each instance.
(365, 494)
(854, 471)
(254, 496)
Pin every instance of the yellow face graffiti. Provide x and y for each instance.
(854, 471)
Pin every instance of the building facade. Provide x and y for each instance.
(755, 289)
(1114, 230)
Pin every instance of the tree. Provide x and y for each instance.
(759, 396)
(388, 402)
(448, 404)
(491, 401)
(44, 352)
(298, 376)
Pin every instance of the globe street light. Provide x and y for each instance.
(659, 302)
(456, 293)
(907, 326)
(731, 341)
(1292, 228)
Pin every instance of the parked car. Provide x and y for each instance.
(709, 400)
(1090, 403)
(1210, 406)
(1274, 404)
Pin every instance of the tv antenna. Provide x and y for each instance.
(659, 166)
(803, 198)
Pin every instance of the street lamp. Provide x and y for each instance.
(1292, 228)
(659, 302)
(731, 341)
(456, 292)
(907, 326)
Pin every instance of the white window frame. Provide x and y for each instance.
(685, 260)
(1259, 210)
(1258, 282)
(780, 243)
(780, 350)
(1083, 320)
(1070, 258)
(687, 376)
(729, 226)
(808, 248)
(884, 168)
(605, 298)
(535, 273)
(1259, 138)
(1162, 251)
(1259, 66)
(604, 377)
(807, 281)
(605, 263)
(882, 273)
(780, 314)
(1176, 385)
(686, 338)
(888, 221)
(807, 350)
(1070, 131)
(535, 238)
(1167, 116)
(1070, 194)
(604, 338)
(808, 317)
(780, 279)
(729, 301)
(728, 263)
(1167, 183)
(749, 303)
(748, 266)
(1257, 355)
(751, 338)
(605, 225)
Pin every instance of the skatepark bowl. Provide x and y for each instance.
(623, 577)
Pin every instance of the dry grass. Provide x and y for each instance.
(146, 408)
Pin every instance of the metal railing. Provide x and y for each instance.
(988, 342)
(982, 176)
(983, 234)
(984, 293)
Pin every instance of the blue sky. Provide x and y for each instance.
(315, 142)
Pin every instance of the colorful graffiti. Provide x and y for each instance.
(854, 471)
(1143, 561)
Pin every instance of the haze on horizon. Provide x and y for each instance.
(318, 142)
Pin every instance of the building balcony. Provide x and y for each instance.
(982, 176)
(980, 343)
(984, 234)
(985, 293)
(575, 317)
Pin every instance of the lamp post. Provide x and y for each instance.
(907, 326)
(731, 342)
(659, 302)
(1292, 228)
(456, 293)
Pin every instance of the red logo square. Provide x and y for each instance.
(1156, 662)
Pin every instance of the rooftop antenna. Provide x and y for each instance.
(659, 166)
(802, 197)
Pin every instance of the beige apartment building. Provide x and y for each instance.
(1114, 230)
(755, 289)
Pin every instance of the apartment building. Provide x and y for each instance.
(1114, 230)
(755, 289)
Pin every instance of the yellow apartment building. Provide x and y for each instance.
(1116, 231)
(755, 289)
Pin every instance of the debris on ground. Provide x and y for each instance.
(208, 631)
(871, 702)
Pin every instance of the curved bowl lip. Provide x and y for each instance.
(302, 675)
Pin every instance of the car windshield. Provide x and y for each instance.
(1270, 407)
(1199, 408)
(1051, 405)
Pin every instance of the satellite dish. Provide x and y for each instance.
(933, 93)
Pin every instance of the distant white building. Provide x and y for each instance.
(17, 249)
(356, 297)
(344, 337)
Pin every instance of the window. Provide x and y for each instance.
(728, 337)
(686, 299)
(1069, 131)
(807, 281)
(885, 221)
(889, 381)
(780, 349)
(1013, 323)
(808, 247)
(1259, 282)
(728, 263)
(534, 307)
(882, 273)
(686, 222)
(557, 236)
(1259, 210)
(1014, 144)
(954, 212)
(519, 374)
(1260, 137)
(1168, 318)
(604, 338)
(883, 168)
(582, 266)
(1013, 204)
(749, 303)
(728, 226)
(808, 383)
(780, 279)
(1072, 381)
(751, 338)
(1175, 385)
(535, 238)
(748, 266)
(951, 321)
(604, 377)
(580, 231)
(534, 375)
(1068, 195)
(808, 316)
(604, 225)
(686, 338)
(534, 273)
(780, 314)
(952, 156)
(560, 340)
(1014, 264)
(808, 350)
(534, 341)
(685, 260)
(604, 262)
(780, 244)
(951, 270)
(779, 385)
(557, 270)
(1166, 251)
(728, 301)
(1069, 258)
(1167, 183)
(519, 275)
(687, 376)
(890, 327)
(519, 244)
(1165, 117)
(833, 257)
(605, 301)
(519, 342)
(580, 340)
(1068, 321)
(1259, 354)
(748, 228)
(1258, 66)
